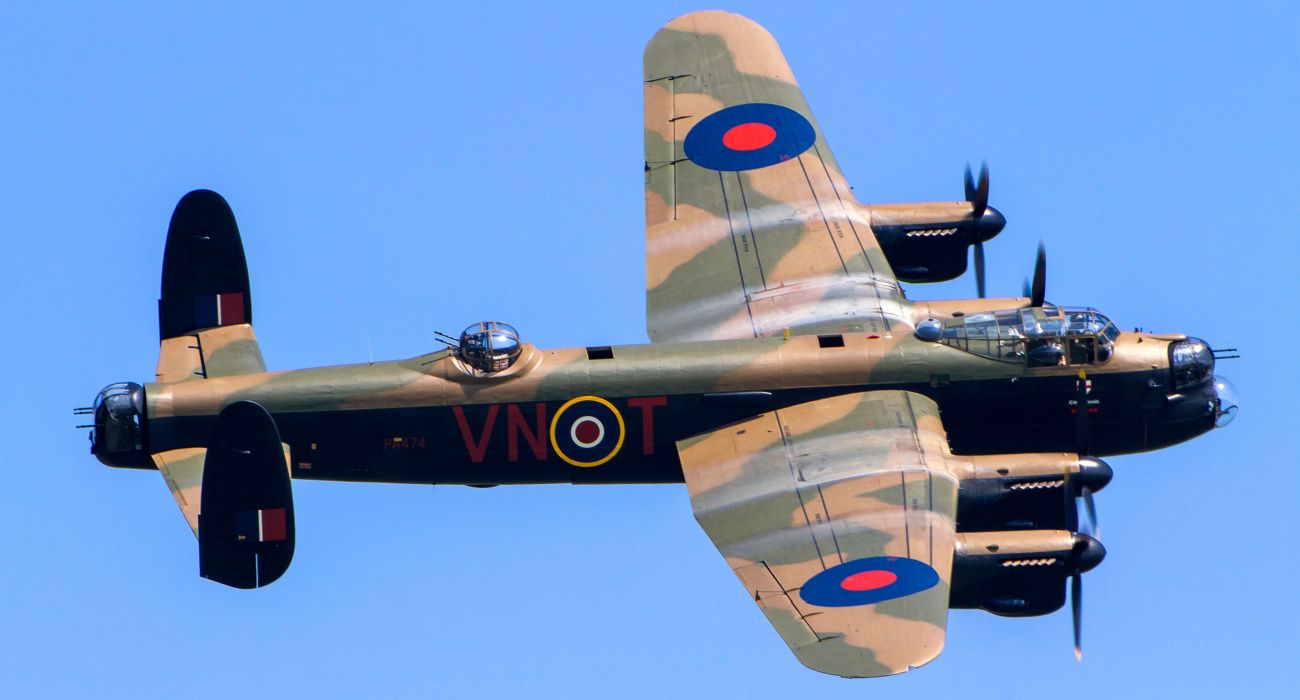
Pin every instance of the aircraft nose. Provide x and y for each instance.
(1226, 401)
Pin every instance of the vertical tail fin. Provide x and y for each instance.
(205, 313)
(205, 276)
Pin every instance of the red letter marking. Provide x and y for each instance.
(648, 404)
(516, 426)
(477, 448)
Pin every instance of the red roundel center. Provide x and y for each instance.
(748, 137)
(587, 431)
(868, 580)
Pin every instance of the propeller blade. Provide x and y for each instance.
(1081, 429)
(1026, 291)
(979, 269)
(978, 193)
(1038, 291)
(1090, 508)
(1069, 504)
(1076, 610)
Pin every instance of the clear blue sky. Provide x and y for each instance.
(423, 167)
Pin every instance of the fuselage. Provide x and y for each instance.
(614, 414)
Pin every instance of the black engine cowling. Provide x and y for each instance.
(1019, 574)
(934, 250)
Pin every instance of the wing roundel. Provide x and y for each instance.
(838, 516)
(751, 228)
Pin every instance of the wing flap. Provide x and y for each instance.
(838, 517)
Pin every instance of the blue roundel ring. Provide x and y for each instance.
(748, 136)
(868, 581)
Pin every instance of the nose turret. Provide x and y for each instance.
(1191, 361)
(1197, 399)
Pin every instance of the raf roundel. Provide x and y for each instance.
(587, 431)
(868, 581)
(748, 136)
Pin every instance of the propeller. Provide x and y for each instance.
(1038, 291)
(1076, 612)
(1085, 495)
(978, 196)
(1081, 447)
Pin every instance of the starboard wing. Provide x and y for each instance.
(750, 226)
(838, 517)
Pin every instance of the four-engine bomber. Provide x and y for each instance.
(863, 461)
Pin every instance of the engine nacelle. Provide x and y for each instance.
(927, 242)
(1023, 491)
(1018, 574)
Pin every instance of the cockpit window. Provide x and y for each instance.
(1042, 336)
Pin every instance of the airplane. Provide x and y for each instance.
(863, 461)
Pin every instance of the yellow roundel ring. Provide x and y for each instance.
(585, 449)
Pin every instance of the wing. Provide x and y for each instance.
(838, 517)
(750, 227)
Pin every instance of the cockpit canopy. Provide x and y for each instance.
(489, 346)
(1040, 336)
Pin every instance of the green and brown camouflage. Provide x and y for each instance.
(863, 461)
(820, 266)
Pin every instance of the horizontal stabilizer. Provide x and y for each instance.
(246, 533)
(205, 277)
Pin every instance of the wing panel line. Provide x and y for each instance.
(740, 268)
(822, 212)
(835, 540)
(798, 492)
(753, 237)
(907, 532)
(930, 507)
(857, 236)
